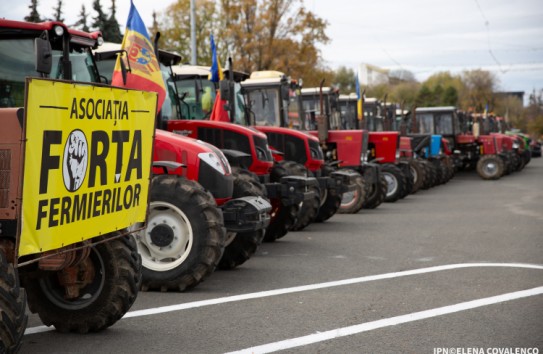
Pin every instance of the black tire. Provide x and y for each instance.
(376, 193)
(185, 235)
(438, 172)
(490, 167)
(449, 167)
(330, 198)
(310, 208)
(241, 246)
(13, 318)
(116, 270)
(418, 173)
(282, 217)
(409, 182)
(396, 182)
(429, 175)
(352, 202)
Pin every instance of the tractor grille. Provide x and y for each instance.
(5, 163)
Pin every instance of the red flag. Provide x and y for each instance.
(218, 113)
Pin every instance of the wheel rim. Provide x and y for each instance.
(392, 183)
(56, 293)
(490, 168)
(348, 199)
(168, 239)
(324, 195)
(230, 236)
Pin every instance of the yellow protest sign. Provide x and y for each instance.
(87, 162)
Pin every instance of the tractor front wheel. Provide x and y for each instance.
(395, 182)
(352, 201)
(330, 199)
(243, 245)
(185, 236)
(490, 167)
(107, 285)
(377, 193)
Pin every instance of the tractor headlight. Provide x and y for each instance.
(59, 30)
(213, 161)
(516, 145)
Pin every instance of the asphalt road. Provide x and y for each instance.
(454, 269)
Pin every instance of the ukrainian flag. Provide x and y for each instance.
(216, 70)
(359, 98)
(145, 74)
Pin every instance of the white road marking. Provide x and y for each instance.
(386, 322)
(262, 294)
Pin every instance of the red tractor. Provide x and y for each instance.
(469, 140)
(85, 284)
(190, 78)
(270, 104)
(209, 217)
(350, 149)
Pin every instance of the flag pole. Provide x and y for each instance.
(193, 32)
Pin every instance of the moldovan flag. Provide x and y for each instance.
(145, 72)
(359, 98)
(216, 70)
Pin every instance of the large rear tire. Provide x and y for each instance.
(353, 201)
(185, 236)
(490, 167)
(13, 316)
(396, 182)
(243, 245)
(110, 278)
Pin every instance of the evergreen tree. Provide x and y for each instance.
(100, 20)
(34, 15)
(58, 12)
(112, 27)
(82, 22)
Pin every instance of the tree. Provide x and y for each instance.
(34, 16)
(101, 19)
(83, 18)
(174, 26)
(275, 34)
(58, 12)
(534, 114)
(406, 93)
(478, 89)
(345, 80)
(112, 26)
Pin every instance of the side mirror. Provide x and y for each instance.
(44, 56)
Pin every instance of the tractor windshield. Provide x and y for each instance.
(197, 97)
(347, 109)
(444, 124)
(264, 103)
(426, 123)
(17, 61)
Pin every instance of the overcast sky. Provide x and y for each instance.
(423, 36)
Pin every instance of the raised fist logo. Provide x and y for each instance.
(74, 167)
